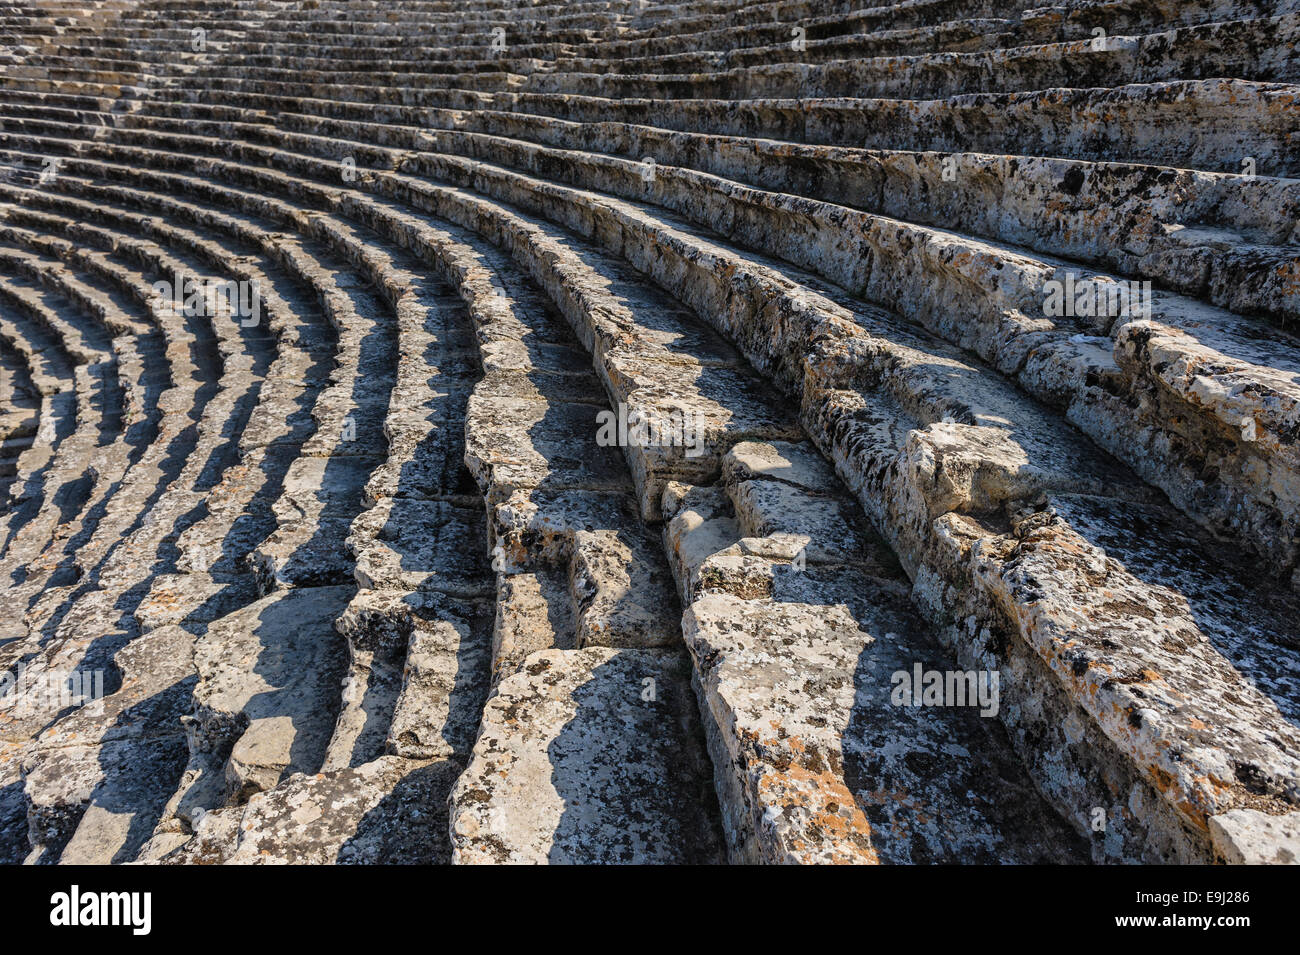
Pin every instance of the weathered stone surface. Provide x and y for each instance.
(1158, 675)
(581, 760)
(269, 683)
(190, 600)
(387, 812)
(519, 443)
(420, 545)
(820, 271)
(92, 805)
(14, 843)
(1249, 837)
(534, 612)
(825, 767)
(444, 683)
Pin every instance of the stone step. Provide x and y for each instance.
(1186, 119)
(1237, 265)
(97, 446)
(518, 609)
(806, 650)
(1178, 326)
(588, 757)
(1014, 64)
(829, 292)
(1243, 269)
(209, 597)
(269, 678)
(388, 811)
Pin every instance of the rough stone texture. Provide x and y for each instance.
(443, 685)
(534, 612)
(387, 812)
(796, 648)
(327, 555)
(799, 700)
(1247, 837)
(575, 765)
(269, 683)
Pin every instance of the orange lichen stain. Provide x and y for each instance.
(164, 599)
(1160, 780)
(1290, 275)
(814, 793)
(1195, 813)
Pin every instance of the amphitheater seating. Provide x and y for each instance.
(964, 333)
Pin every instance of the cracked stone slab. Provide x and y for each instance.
(390, 811)
(513, 443)
(444, 683)
(816, 763)
(410, 544)
(534, 611)
(1149, 667)
(191, 600)
(98, 804)
(309, 553)
(425, 460)
(269, 680)
(575, 765)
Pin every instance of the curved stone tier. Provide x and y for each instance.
(613, 432)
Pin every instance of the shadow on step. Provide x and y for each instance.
(13, 823)
(630, 770)
(408, 826)
(139, 776)
(301, 667)
(941, 786)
